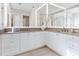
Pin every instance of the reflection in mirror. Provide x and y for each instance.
(41, 17)
(8, 20)
(19, 20)
(25, 20)
(16, 18)
(12, 21)
(1, 16)
(56, 16)
(74, 18)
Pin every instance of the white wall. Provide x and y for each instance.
(1, 17)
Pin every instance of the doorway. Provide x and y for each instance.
(25, 20)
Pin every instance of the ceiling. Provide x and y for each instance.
(28, 7)
(52, 9)
(66, 5)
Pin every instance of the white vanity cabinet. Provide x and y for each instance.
(10, 44)
(36, 39)
(0, 46)
(51, 38)
(66, 45)
(57, 42)
(25, 42)
(60, 43)
(16, 43)
(73, 46)
(31, 40)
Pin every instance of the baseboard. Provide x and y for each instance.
(53, 50)
(29, 50)
(38, 48)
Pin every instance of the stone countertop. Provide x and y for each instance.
(67, 33)
(73, 34)
(47, 30)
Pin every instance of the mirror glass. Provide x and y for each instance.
(56, 16)
(74, 16)
(41, 16)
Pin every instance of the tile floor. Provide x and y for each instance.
(43, 51)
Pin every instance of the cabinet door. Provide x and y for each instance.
(10, 44)
(73, 46)
(36, 39)
(0, 46)
(31, 41)
(57, 43)
(25, 45)
(53, 40)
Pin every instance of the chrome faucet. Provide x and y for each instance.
(64, 30)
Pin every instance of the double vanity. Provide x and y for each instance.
(64, 43)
